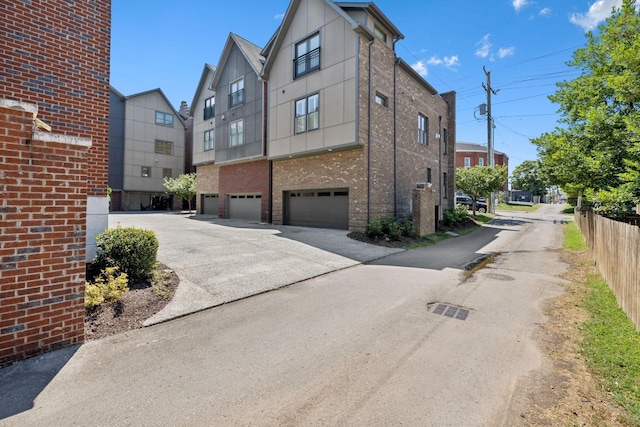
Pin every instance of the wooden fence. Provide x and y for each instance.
(615, 248)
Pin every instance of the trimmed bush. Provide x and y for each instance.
(132, 249)
(374, 228)
(106, 288)
(389, 227)
(456, 215)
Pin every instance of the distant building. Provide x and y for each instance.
(146, 144)
(469, 154)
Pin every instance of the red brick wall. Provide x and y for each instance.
(42, 244)
(56, 54)
(474, 157)
(248, 177)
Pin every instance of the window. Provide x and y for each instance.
(236, 93)
(166, 173)
(481, 161)
(467, 162)
(307, 114)
(381, 99)
(209, 107)
(164, 147)
(209, 140)
(423, 129)
(307, 56)
(428, 175)
(444, 141)
(236, 133)
(145, 171)
(164, 119)
(444, 185)
(380, 34)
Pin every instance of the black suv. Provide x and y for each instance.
(467, 201)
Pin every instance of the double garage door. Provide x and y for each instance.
(318, 208)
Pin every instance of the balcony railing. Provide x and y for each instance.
(236, 98)
(306, 63)
(209, 112)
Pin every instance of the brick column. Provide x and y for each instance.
(424, 215)
(43, 202)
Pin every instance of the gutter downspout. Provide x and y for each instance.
(369, 139)
(395, 133)
(440, 167)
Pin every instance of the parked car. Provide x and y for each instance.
(467, 201)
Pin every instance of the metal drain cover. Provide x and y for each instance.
(451, 311)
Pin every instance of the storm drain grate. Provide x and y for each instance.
(451, 311)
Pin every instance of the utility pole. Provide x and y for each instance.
(490, 126)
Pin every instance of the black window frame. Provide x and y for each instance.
(164, 145)
(164, 119)
(310, 59)
(307, 114)
(209, 107)
(423, 134)
(231, 126)
(382, 100)
(212, 140)
(236, 97)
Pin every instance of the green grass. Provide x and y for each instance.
(515, 207)
(611, 343)
(568, 209)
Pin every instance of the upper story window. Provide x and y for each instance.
(307, 114)
(164, 147)
(167, 173)
(444, 141)
(481, 161)
(145, 171)
(307, 56)
(429, 175)
(382, 100)
(209, 107)
(467, 162)
(236, 93)
(380, 33)
(236, 133)
(209, 140)
(164, 119)
(423, 129)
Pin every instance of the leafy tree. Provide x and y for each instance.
(599, 147)
(480, 181)
(527, 176)
(183, 186)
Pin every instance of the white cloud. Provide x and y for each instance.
(279, 16)
(420, 68)
(545, 12)
(519, 4)
(485, 47)
(503, 52)
(447, 61)
(598, 12)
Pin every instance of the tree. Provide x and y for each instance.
(527, 176)
(183, 186)
(480, 181)
(599, 147)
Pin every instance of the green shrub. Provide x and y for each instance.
(106, 288)
(456, 215)
(408, 229)
(374, 228)
(132, 249)
(395, 231)
(389, 227)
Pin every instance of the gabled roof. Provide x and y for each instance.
(373, 10)
(418, 78)
(208, 68)
(474, 148)
(117, 92)
(250, 51)
(135, 95)
(273, 47)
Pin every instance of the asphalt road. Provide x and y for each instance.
(360, 346)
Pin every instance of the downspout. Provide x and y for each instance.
(369, 139)
(440, 166)
(395, 133)
(265, 149)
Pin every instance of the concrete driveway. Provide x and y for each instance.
(222, 260)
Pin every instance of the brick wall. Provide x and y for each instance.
(207, 182)
(474, 159)
(243, 178)
(42, 244)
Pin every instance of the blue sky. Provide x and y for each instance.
(525, 44)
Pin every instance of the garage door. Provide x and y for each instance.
(318, 208)
(244, 206)
(210, 204)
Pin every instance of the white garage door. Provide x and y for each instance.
(318, 208)
(244, 206)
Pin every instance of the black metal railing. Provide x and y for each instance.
(209, 112)
(306, 63)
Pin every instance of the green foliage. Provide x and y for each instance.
(598, 147)
(615, 202)
(480, 181)
(183, 186)
(106, 288)
(132, 249)
(390, 228)
(527, 176)
(455, 216)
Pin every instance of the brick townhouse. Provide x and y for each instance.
(469, 154)
(54, 67)
(349, 128)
